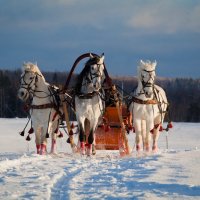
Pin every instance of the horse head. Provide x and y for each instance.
(92, 76)
(146, 75)
(31, 75)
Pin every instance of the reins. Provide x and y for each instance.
(53, 104)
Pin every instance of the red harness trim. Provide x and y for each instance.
(139, 101)
(43, 106)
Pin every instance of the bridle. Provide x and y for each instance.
(147, 84)
(31, 87)
(92, 75)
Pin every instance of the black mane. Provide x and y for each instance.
(85, 72)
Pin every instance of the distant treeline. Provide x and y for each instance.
(183, 94)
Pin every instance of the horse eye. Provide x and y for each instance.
(31, 78)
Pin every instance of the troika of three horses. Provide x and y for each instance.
(104, 116)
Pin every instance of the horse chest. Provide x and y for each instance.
(143, 111)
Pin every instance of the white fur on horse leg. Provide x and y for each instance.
(37, 138)
(53, 146)
(138, 140)
(43, 136)
(147, 143)
(147, 147)
(156, 134)
(53, 141)
(93, 145)
(149, 126)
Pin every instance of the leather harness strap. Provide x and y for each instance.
(43, 106)
(139, 101)
(87, 96)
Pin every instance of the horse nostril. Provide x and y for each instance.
(22, 93)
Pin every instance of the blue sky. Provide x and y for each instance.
(54, 33)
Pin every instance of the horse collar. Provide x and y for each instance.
(147, 102)
(88, 95)
(43, 106)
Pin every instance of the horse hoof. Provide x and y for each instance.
(154, 148)
(93, 150)
(82, 148)
(137, 147)
(53, 152)
(38, 146)
(89, 149)
(82, 153)
(75, 149)
(147, 148)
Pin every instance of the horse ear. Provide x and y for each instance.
(154, 63)
(91, 56)
(102, 57)
(142, 62)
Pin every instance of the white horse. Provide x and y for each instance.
(88, 101)
(148, 107)
(44, 110)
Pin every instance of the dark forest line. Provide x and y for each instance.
(182, 93)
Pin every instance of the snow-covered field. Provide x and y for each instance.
(172, 173)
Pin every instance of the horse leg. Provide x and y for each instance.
(156, 134)
(82, 140)
(93, 146)
(89, 138)
(144, 135)
(147, 137)
(37, 139)
(43, 149)
(138, 132)
(90, 142)
(53, 145)
(54, 133)
(138, 138)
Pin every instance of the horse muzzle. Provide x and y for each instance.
(148, 92)
(22, 94)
